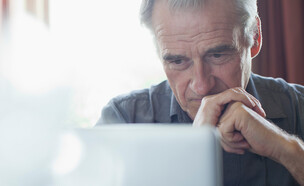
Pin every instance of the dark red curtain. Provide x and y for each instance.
(4, 8)
(282, 53)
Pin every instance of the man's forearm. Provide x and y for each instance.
(292, 157)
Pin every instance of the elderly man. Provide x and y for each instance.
(206, 48)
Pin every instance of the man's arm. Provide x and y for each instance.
(243, 126)
(292, 157)
(262, 137)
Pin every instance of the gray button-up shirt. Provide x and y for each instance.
(282, 102)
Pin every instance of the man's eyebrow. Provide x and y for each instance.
(222, 48)
(171, 57)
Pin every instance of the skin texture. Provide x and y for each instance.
(208, 76)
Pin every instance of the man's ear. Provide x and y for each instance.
(255, 49)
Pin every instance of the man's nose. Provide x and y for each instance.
(202, 81)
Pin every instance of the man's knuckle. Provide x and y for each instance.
(207, 100)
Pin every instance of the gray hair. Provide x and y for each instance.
(246, 10)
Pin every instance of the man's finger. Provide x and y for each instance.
(237, 145)
(258, 107)
(229, 149)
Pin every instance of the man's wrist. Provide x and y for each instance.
(289, 151)
(286, 146)
(296, 148)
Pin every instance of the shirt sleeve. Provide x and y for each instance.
(110, 114)
(300, 114)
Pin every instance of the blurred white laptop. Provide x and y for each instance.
(146, 155)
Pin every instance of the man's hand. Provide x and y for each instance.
(212, 106)
(242, 128)
(242, 124)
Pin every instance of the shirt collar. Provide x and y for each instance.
(177, 114)
(174, 106)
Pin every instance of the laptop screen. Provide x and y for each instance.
(147, 154)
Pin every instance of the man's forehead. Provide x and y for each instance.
(162, 12)
(191, 18)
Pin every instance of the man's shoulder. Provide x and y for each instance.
(276, 85)
(280, 100)
(161, 89)
(139, 106)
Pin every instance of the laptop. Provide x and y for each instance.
(146, 155)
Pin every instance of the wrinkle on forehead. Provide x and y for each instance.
(221, 13)
(190, 28)
(196, 28)
(192, 37)
(203, 40)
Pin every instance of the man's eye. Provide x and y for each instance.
(177, 62)
(218, 58)
(217, 55)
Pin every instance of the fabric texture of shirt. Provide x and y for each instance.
(282, 102)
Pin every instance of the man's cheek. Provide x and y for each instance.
(185, 102)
